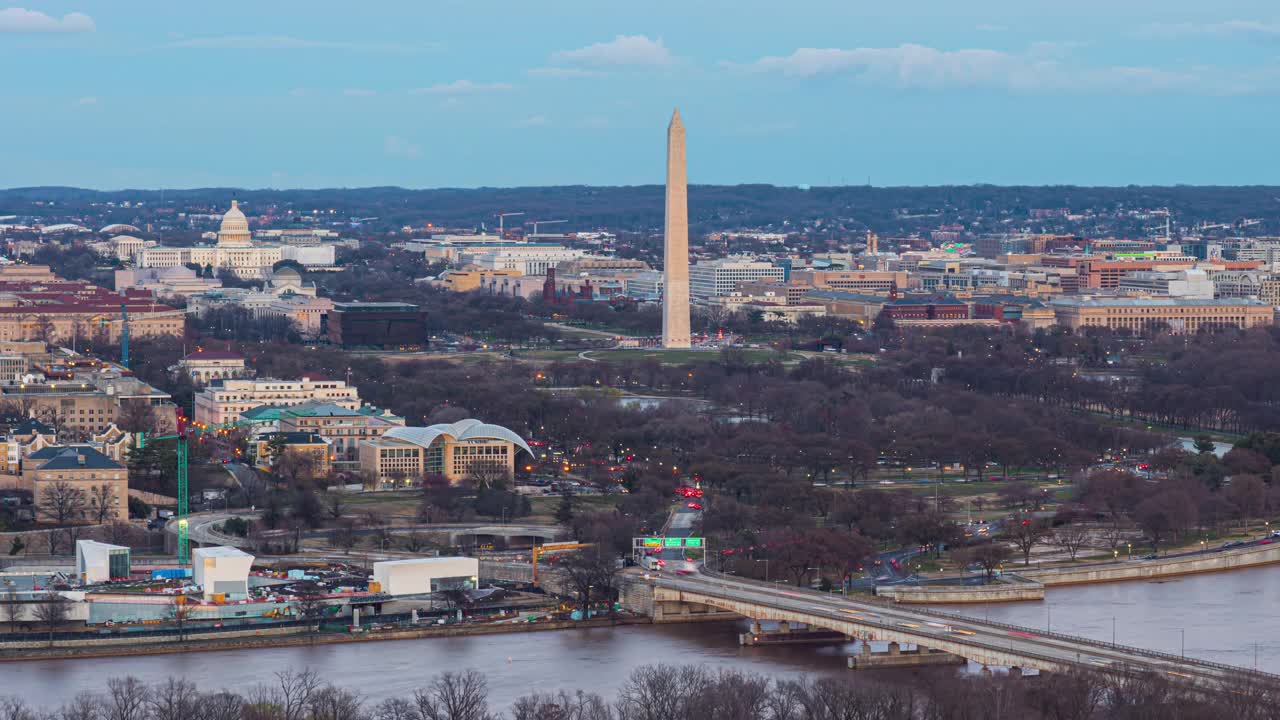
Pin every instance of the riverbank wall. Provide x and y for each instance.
(1221, 561)
(275, 637)
(929, 594)
(1030, 585)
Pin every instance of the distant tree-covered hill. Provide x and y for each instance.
(639, 208)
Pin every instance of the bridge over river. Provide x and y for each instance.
(980, 641)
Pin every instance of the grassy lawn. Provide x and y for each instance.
(544, 508)
(680, 357)
(547, 355)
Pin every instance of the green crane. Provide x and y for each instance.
(185, 430)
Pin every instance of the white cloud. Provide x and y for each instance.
(396, 146)
(461, 87)
(87, 101)
(359, 92)
(287, 42)
(1246, 29)
(918, 66)
(533, 121)
(22, 20)
(622, 51)
(562, 72)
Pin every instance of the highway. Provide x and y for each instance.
(985, 642)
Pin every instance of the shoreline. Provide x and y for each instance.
(302, 639)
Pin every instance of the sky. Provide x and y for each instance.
(462, 93)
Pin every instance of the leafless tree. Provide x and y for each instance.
(562, 706)
(415, 541)
(1025, 533)
(51, 612)
(174, 699)
(1070, 537)
(12, 608)
(331, 703)
(454, 696)
(335, 503)
(126, 699)
(84, 706)
(102, 502)
(177, 614)
(289, 697)
(486, 475)
(61, 502)
(136, 415)
(345, 536)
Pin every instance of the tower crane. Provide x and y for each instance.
(536, 223)
(502, 219)
(185, 431)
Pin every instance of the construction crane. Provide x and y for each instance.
(124, 334)
(502, 219)
(536, 223)
(185, 431)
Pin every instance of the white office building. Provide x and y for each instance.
(221, 571)
(223, 402)
(98, 562)
(715, 278)
(420, 576)
(1187, 284)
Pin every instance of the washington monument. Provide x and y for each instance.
(675, 245)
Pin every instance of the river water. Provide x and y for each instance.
(1223, 615)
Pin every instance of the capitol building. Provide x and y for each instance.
(235, 251)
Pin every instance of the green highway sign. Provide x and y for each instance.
(670, 542)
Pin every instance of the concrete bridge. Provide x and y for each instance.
(984, 642)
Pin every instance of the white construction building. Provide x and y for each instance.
(98, 562)
(221, 571)
(421, 576)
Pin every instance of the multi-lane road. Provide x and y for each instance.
(981, 641)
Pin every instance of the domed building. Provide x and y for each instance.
(234, 231)
(235, 251)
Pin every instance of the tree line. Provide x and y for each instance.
(666, 692)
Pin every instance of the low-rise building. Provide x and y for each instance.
(387, 325)
(711, 278)
(100, 484)
(1175, 315)
(344, 429)
(225, 400)
(421, 576)
(268, 447)
(98, 562)
(453, 450)
(1189, 284)
(221, 572)
(204, 366)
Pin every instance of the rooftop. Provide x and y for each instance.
(1089, 301)
(74, 457)
(373, 306)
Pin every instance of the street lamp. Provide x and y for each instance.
(1130, 550)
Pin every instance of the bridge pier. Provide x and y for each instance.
(671, 611)
(895, 657)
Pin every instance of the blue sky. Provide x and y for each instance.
(286, 93)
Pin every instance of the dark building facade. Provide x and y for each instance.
(387, 325)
